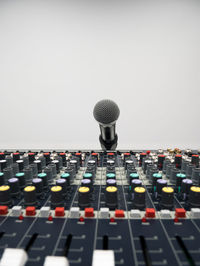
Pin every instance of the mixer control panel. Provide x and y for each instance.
(124, 207)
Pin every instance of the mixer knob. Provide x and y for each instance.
(43, 176)
(110, 163)
(66, 176)
(86, 183)
(53, 168)
(129, 163)
(48, 171)
(2, 155)
(194, 197)
(14, 186)
(9, 160)
(5, 198)
(34, 168)
(22, 181)
(8, 173)
(179, 179)
(3, 164)
(110, 176)
(56, 196)
(142, 156)
(111, 183)
(159, 185)
(38, 163)
(2, 180)
(185, 185)
(31, 157)
(178, 161)
(84, 197)
(28, 172)
(62, 182)
(196, 176)
(47, 157)
(38, 184)
(161, 158)
(135, 183)
(30, 196)
(173, 173)
(167, 198)
(155, 178)
(111, 197)
(145, 164)
(88, 176)
(195, 160)
(16, 156)
(20, 164)
(189, 169)
(139, 198)
(57, 164)
(133, 176)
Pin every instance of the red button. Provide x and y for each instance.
(30, 211)
(180, 213)
(59, 211)
(94, 154)
(3, 210)
(148, 152)
(119, 213)
(89, 212)
(127, 153)
(150, 212)
(111, 153)
(78, 153)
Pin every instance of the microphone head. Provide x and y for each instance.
(106, 111)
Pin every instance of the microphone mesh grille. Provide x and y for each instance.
(106, 111)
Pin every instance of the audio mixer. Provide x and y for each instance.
(123, 207)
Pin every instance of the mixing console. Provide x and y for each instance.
(99, 208)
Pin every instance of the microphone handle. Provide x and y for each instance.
(108, 137)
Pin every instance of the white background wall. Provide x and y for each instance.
(58, 58)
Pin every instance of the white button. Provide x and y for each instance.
(44, 211)
(104, 213)
(74, 212)
(195, 213)
(56, 261)
(135, 214)
(16, 211)
(14, 256)
(103, 257)
(165, 214)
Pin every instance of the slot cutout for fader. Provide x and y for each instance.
(105, 242)
(185, 251)
(145, 251)
(67, 245)
(31, 242)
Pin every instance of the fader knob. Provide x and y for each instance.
(56, 196)
(139, 198)
(84, 197)
(30, 196)
(111, 197)
(167, 197)
(5, 198)
(194, 197)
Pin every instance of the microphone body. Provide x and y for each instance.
(106, 112)
(108, 137)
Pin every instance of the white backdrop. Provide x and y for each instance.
(58, 58)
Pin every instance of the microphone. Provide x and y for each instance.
(106, 112)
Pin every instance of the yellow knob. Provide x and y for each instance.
(168, 189)
(56, 188)
(84, 189)
(29, 188)
(111, 189)
(139, 189)
(4, 188)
